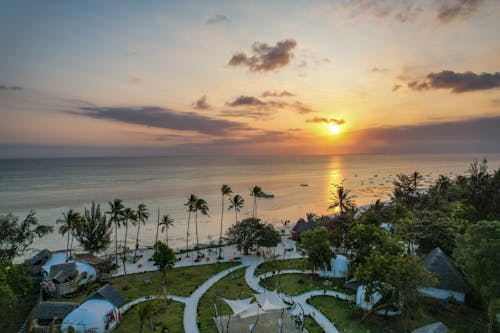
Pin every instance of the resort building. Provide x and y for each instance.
(47, 316)
(98, 314)
(451, 284)
(339, 267)
(301, 226)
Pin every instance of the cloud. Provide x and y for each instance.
(11, 88)
(201, 103)
(458, 82)
(218, 18)
(135, 80)
(162, 118)
(454, 9)
(255, 103)
(380, 70)
(326, 120)
(478, 135)
(401, 10)
(246, 101)
(396, 87)
(257, 114)
(284, 93)
(264, 57)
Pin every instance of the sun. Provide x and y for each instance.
(334, 129)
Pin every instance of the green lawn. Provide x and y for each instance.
(347, 317)
(312, 326)
(171, 317)
(295, 284)
(283, 264)
(180, 282)
(232, 286)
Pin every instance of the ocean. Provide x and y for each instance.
(52, 186)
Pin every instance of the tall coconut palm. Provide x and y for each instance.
(157, 225)
(116, 216)
(190, 204)
(236, 203)
(68, 224)
(415, 179)
(255, 192)
(166, 222)
(224, 190)
(130, 216)
(142, 214)
(342, 199)
(202, 207)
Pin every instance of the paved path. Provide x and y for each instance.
(323, 322)
(191, 309)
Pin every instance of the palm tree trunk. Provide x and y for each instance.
(187, 236)
(67, 248)
(125, 239)
(166, 232)
(157, 226)
(116, 244)
(196, 227)
(220, 235)
(137, 240)
(236, 214)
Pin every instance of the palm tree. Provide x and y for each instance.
(190, 204)
(142, 214)
(236, 203)
(415, 179)
(202, 207)
(255, 192)
(166, 222)
(130, 216)
(157, 225)
(116, 213)
(342, 199)
(311, 216)
(69, 223)
(225, 190)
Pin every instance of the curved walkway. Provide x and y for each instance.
(323, 322)
(191, 309)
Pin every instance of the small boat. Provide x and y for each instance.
(265, 195)
(304, 184)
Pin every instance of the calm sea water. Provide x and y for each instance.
(52, 186)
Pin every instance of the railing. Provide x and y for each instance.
(46, 329)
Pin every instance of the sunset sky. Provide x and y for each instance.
(99, 78)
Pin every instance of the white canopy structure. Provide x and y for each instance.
(239, 305)
(86, 271)
(270, 301)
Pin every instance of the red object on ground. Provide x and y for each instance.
(139, 265)
(207, 259)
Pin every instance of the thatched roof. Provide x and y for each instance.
(51, 310)
(39, 258)
(90, 259)
(449, 277)
(302, 226)
(110, 294)
(438, 327)
(62, 272)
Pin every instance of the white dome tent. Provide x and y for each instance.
(339, 268)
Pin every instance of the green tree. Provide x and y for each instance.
(17, 237)
(225, 190)
(245, 234)
(123, 255)
(14, 283)
(268, 236)
(478, 255)
(166, 222)
(116, 217)
(164, 258)
(316, 245)
(142, 214)
(342, 199)
(255, 192)
(202, 207)
(146, 311)
(236, 203)
(129, 216)
(95, 233)
(191, 205)
(69, 223)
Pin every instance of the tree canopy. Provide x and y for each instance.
(252, 232)
(316, 245)
(95, 232)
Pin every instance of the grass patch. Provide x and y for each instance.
(170, 317)
(312, 326)
(295, 284)
(283, 264)
(181, 281)
(232, 286)
(347, 317)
